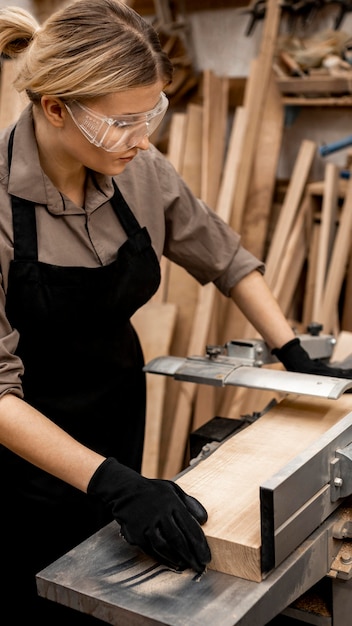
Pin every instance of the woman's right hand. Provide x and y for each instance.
(154, 514)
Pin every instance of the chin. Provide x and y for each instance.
(113, 169)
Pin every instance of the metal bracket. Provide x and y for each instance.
(341, 566)
(341, 473)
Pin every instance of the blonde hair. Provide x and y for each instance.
(87, 49)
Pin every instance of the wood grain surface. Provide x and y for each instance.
(228, 481)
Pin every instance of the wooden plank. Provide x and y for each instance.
(309, 291)
(215, 111)
(228, 482)
(186, 391)
(155, 324)
(343, 346)
(327, 235)
(177, 139)
(205, 395)
(315, 85)
(276, 259)
(192, 158)
(253, 224)
(338, 264)
(289, 209)
(260, 194)
(296, 252)
(346, 317)
(230, 175)
(254, 102)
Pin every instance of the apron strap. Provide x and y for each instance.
(124, 213)
(24, 223)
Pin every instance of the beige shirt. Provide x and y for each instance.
(181, 227)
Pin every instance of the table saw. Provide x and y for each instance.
(302, 544)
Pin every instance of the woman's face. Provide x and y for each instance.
(104, 134)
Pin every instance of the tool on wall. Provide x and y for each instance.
(334, 146)
(257, 12)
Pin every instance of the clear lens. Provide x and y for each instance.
(120, 132)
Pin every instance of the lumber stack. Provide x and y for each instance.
(304, 239)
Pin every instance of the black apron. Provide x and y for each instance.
(83, 369)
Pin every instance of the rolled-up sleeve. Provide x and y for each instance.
(11, 366)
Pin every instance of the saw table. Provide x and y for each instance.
(111, 580)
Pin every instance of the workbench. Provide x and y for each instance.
(305, 535)
(109, 579)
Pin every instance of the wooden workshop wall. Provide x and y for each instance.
(229, 137)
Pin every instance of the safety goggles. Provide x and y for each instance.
(118, 132)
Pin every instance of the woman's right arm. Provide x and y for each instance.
(34, 437)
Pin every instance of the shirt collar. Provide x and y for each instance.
(27, 179)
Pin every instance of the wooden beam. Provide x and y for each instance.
(233, 528)
(289, 210)
(215, 113)
(296, 252)
(257, 85)
(309, 290)
(327, 235)
(261, 189)
(343, 347)
(338, 264)
(155, 324)
(346, 321)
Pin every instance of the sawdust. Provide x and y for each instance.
(317, 600)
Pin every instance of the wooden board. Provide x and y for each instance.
(228, 482)
(296, 252)
(310, 283)
(155, 324)
(215, 99)
(260, 193)
(343, 347)
(289, 210)
(346, 318)
(338, 264)
(327, 234)
(255, 97)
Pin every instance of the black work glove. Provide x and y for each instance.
(154, 514)
(296, 359)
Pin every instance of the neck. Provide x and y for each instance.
(67, 174)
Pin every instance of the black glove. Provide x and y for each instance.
(154, 514)
(296, 359)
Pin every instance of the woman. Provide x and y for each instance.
(88, 207)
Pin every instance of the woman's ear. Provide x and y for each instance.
(54, 110)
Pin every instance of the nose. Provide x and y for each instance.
(143, 143)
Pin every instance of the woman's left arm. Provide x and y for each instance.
(254, 298)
